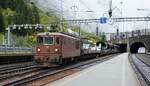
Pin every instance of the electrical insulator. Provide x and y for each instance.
(110, 13)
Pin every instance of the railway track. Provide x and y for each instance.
(144, 58)
(29, 78)
(143, 68)
(15, 66)
(12, 70)
(16, 71)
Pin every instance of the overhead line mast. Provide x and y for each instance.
(110, 9)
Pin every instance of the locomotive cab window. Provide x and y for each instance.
(40, 40)
(48, 40)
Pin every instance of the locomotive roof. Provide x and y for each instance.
(48, 33)
(56, 33)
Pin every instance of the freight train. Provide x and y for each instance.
(55, 49)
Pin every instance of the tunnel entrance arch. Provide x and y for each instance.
(135, 47)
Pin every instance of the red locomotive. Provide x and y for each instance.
(56, 48)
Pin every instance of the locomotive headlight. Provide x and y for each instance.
(56, 50)
(38, 49)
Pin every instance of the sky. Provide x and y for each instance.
(129, 7)
(77, 9)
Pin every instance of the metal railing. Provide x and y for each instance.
(9, 49)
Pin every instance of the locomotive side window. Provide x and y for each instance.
(40, 40)
(77, 44)
(48, 40)
(64, 41)
(57, 40)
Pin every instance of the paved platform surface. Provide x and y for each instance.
(114, 72)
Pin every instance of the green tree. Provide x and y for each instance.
(103, 38)
(1, 21)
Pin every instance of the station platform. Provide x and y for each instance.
(114, 72)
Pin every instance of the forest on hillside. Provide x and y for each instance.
(22, 12)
